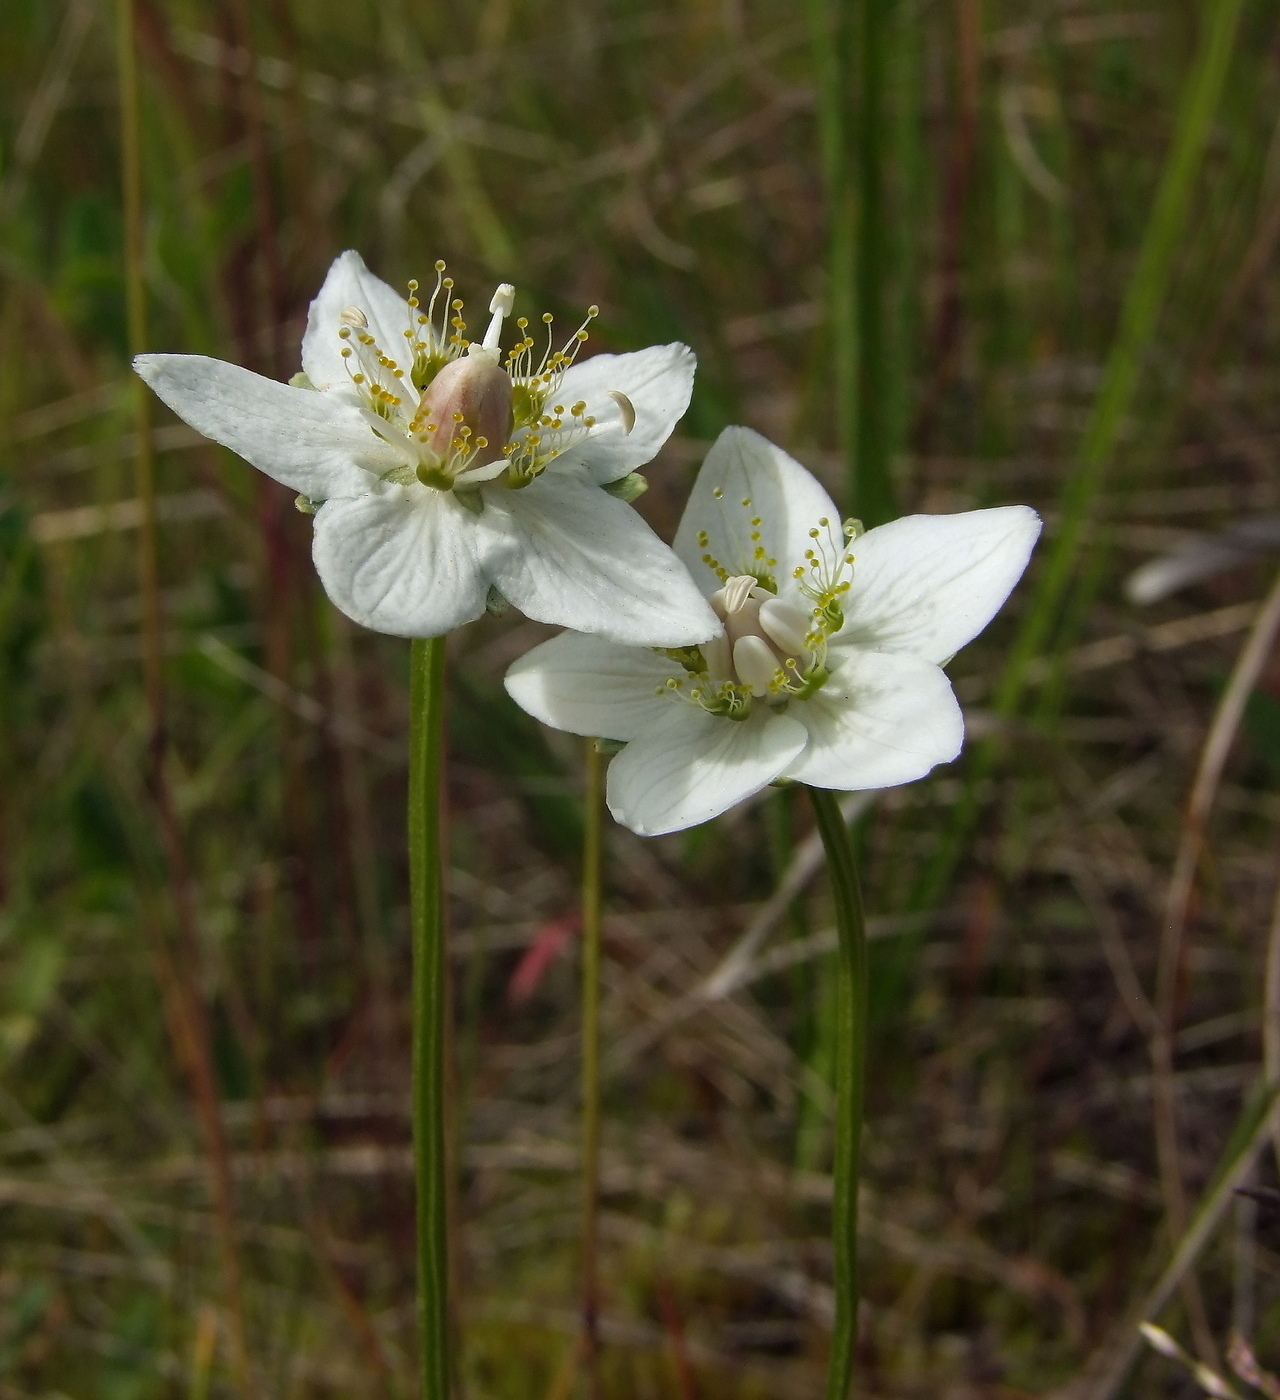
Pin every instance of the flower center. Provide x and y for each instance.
(457, 412)
(773, 649)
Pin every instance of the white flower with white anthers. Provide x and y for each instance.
(441, 472)
(828, 670)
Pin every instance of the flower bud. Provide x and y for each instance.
(468, 400)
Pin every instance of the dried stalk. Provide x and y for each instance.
(181, 973)
(1217, 746)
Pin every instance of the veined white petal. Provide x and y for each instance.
(882, 718)
(405, 560)
(657, 382)
(592, 687)
(581, 559)
(783, 496)
(927, 584)
(690, 766)
(312, 443)
(350, 283)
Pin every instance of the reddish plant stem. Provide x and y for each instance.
(179, 977)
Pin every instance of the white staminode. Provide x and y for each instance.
(828, 666)
(442, 473)
(503, 300)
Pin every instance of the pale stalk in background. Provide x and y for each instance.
(850, 1077)
(430, 998)
(592, 908)
(1213, 758)
(190, 1026)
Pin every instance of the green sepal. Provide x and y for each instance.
(691, 658)
(300, 381)
(610, 747)
(627, 488)
(470, 500)
(494, 602)
(304, 505)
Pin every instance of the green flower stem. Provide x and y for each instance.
(592, 903)
(426, 897)
(850, 1062)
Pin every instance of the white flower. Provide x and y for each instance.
(828, 670)
(438, 470)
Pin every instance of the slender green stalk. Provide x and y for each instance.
(850, 1071)
(430, 983)
(592, 905)
(871, 485)
(850, 58)
(1139, 317)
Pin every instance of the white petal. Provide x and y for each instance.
(928, 584)
(786, 499)
(311, 443)
(880, 720)
(658, 382)
(593, 687)
(691, 766)
(405, 560)
(350, 283)
(584, 560)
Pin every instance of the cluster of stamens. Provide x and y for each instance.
(773, 649)
(447, 445)
(533, 387)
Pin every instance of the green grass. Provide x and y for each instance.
(1059, 312)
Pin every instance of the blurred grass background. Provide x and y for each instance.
(965, 189)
